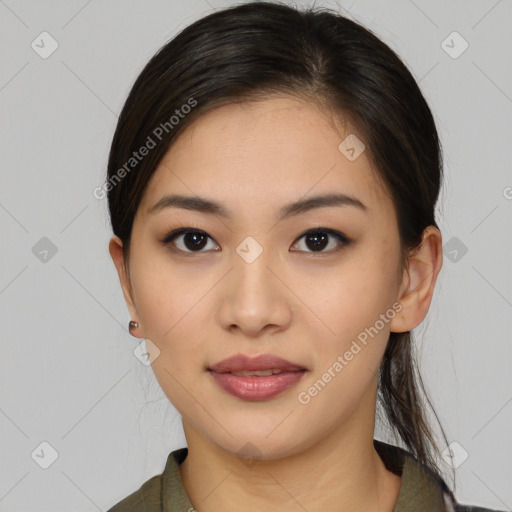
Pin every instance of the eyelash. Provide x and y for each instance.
(342, 239)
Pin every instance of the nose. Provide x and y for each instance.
(255, 297)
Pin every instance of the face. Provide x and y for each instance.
(307, 284)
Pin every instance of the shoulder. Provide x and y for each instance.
(473, 508)
(148, 498)
(453, 505)
(159, 491)
(420, 483)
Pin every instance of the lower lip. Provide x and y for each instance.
(257, 388)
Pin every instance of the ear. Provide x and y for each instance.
(418, 281)
(115, 248)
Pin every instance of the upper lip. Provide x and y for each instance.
(241, 362)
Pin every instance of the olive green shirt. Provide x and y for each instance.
(420, 490)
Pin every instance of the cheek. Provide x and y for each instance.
(168, 311)
(348, 354)
(355, 306)
(164, 299)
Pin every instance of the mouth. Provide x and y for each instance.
(257, 373)
(256, 379)
(263, 365)
(254, 387)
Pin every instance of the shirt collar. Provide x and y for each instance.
(421, 490)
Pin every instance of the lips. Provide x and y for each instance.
(256, 378)
(262, 363)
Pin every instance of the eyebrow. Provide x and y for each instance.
(211, 207)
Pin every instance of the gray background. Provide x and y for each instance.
(68, 373)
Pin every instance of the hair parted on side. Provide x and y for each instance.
(258, 49)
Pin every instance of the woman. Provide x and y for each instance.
(272, 184)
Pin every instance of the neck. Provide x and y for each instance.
(342, 471)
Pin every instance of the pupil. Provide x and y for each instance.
(197, 243)
(320, 240)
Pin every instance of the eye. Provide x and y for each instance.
(193, 240)
(318, 239)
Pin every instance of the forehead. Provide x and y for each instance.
(266, 152)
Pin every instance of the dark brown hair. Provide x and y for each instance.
(255, 50)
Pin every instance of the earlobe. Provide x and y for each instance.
(418, 281)
(115, 248)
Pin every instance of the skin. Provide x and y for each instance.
(305, 306)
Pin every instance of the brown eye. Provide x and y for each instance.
(192, 240)
(316, 240)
